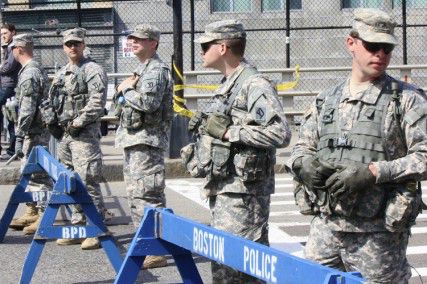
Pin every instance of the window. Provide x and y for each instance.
(279, 5)
(361, 3)
(231, 5)
(411, 3)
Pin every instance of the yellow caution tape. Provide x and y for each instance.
(178, 73)
(195, 86)
(290, 85)
(181, 110)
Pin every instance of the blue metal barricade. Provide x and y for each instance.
(163, 233)
(68, 189)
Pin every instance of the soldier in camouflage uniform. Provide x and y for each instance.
(362, 149)
(236, 142)
(144, 106)
(77, 98)
(31, 90)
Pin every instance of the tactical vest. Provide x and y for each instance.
(70, 94)
(217, 159)
(362, 144)
(133, 118)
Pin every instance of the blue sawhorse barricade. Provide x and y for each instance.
(68, 189)
(162, 233)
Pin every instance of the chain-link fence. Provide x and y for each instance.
(309, 33)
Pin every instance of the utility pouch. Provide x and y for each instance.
(220, 153)
(64, 108)
(305, 199)
(131, 118)
(154, 118)
(402, 209)
(190, 160)
(366, 203)
(79, 102)
(47, 113)
(252, 164)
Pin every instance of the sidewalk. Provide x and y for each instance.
(113, 162)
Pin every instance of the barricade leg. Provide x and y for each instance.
(147, 242)
(18, 196)
(32, 260)
(187, 268)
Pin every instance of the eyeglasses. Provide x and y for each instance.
(69, 44)
(376, 46)
(205, 46)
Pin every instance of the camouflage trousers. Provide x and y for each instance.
(144, 175)
(83, 155)
(39, 181)
(244, 215)
(379, 256)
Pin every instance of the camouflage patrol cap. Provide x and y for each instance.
(226, 29)
(146, 31)
(374, 25)
(76, 34)
(22, 40)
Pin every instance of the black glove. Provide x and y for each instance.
(348, 180)
(312, 172)
(74, 131)
(56, 131)
(19, 145)
(196, 120)
(217, 124)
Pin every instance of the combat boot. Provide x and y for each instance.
(32, 228)
(29, 217)
(90, 243)
(68, 242)
(154, 261)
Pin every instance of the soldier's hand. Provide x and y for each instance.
(19, 145)
(311, 172)
(217, 124)
(196, 120)
(129, 82)
(349, 179)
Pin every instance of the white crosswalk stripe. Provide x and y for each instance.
(289, 229)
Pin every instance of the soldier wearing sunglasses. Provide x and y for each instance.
(361, 151)
(73, 114)
(236, 143)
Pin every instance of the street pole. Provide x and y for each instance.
(179, 130)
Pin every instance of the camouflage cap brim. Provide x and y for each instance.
(137, 35)
(204, 39)
(72, 38)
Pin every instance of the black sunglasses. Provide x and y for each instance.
(205, 46)
(376, 46)
(72, 43)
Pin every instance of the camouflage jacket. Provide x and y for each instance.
(152, 97)
(31, 90)
(405, 140)
(258, 121)
(94, 84)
